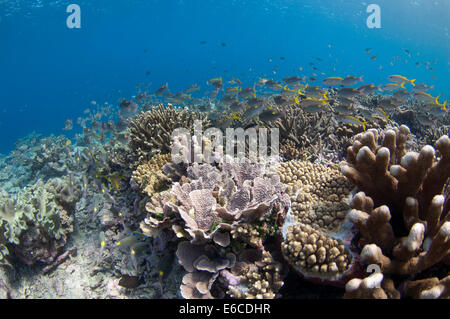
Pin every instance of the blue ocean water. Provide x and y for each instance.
(50, 73)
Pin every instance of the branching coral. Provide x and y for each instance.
(256, 274)
(151, 131)
(371, 287)
(429, 288)
(400, 211)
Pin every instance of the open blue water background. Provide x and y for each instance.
(49, 73)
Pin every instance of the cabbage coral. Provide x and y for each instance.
(218, 213)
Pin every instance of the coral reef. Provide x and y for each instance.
(153, 214)
(304, 136)
(401, 211)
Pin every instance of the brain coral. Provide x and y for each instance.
(315, 236)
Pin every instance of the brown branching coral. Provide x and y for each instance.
(432, 134)
(429, 288)
(388, 175)
(401, 211)
(312, 243)
(374, 286)
(151, 131)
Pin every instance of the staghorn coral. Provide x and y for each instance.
(290, 151)
(151, 131)
(34, 226)
(432, 134)
(315, 238)
(400, 210)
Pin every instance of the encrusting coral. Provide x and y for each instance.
(401, 210)
(315, 239)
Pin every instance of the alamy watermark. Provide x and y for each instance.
(374, 19)
(74, 19)
(255, 145)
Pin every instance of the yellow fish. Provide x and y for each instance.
(354, 120)
(333, 80)
(400, 79)
(233, 117)
(384, 113)
(425, 97)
